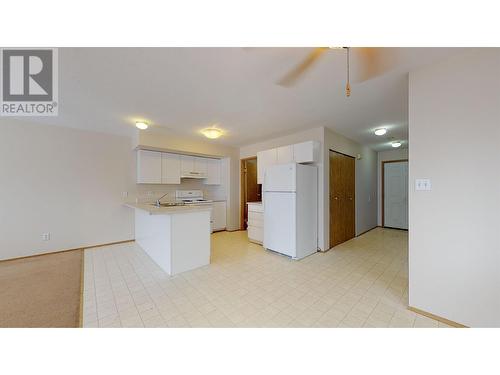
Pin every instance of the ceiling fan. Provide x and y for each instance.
(367, 65)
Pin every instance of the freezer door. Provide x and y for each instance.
(280, 178)
(280, 223)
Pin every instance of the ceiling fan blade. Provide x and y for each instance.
(300, 69)
(370, 62)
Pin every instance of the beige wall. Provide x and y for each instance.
(366, 181)
(397, 154)
(64, 181)
(173, 141)
(454, 255)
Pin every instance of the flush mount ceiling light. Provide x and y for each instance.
(396, 144)
(211, 133)
(141, 125)
(380, 131)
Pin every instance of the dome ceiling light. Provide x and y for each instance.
(212, 133)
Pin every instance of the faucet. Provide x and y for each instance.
(157, 203)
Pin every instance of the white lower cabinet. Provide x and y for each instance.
(255, 234)
(255, 228)
(218, 219)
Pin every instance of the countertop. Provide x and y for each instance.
(153, 210)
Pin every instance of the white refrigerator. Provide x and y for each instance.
(291, 209)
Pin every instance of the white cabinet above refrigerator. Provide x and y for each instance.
(303, 153)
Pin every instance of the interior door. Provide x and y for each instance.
(251, 190)
(342, 198)
(396, 194)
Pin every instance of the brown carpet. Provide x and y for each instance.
(41, 291)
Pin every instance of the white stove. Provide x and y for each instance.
(191, 197)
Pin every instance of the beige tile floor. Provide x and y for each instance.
(361, 283)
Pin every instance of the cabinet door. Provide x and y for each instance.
(170, 169)
(200, 166)
(284, 154)
(219, 215)
(305, 152)
(265, 159)
(148, 167)
(213, 172)
(187, 165)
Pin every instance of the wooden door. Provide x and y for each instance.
(350, 192)
(251, 191)
(342, 198)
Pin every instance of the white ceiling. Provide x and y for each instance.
(188, 89)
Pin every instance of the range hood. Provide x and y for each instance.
(198, 175)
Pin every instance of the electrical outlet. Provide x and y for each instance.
(45, 236)
(124, 194)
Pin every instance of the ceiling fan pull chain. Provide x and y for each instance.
(347, 86)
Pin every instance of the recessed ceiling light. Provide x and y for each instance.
(380, 131)
(396, 144)
(141, 125)
(212, 133)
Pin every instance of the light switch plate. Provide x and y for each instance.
(423, 184)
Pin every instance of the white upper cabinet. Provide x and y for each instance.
(213, 172)
(284, 154)
(305, 152)
(155, 167)
(187, 165)
(148, 167)
(193, 166)
(170, 169)
(200, 166)
(265, 159)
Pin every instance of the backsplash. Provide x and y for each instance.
(149, 192)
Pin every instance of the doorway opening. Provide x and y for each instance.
(251, 191)
(395, 194)
(342, 198)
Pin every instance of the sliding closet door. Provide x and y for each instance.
(342, 198)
